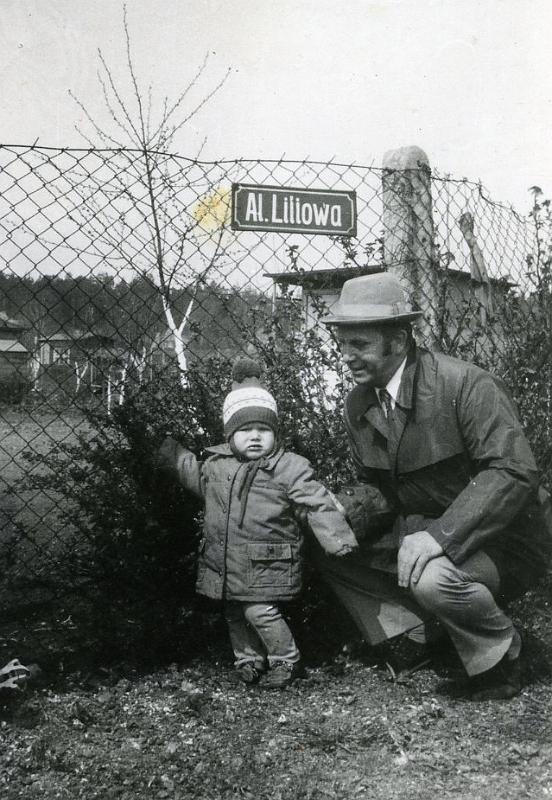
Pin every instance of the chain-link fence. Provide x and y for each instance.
(124, 284)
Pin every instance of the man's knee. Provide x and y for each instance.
(439, 585)
(444, 588)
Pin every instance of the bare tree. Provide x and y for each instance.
(143, 208)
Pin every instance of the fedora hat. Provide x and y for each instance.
(371, 299)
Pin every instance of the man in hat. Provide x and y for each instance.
(441, 440)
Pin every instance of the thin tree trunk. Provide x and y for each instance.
(178, 342)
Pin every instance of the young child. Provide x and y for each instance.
(251, 552)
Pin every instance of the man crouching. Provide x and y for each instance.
(442, 442)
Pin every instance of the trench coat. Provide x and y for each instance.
(453, 460)
(252, 543)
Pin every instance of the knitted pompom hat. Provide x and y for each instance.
(247, 402)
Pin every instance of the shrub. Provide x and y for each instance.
(526, 359)
(14, 389)
(135, 558)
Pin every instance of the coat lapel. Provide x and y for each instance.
(363, 403)
(377, 420)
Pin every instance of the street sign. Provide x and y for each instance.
(286, 210)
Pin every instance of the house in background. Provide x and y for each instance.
(320, 288)
(16, 350)
(55, 349)
(77, 360)
(461, 298)
(96, 361)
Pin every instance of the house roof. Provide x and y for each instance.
(321, 278)
(503, 280)
(99, 335)
(76, 336)
(62, 336)
(335, 278)
(12, 346)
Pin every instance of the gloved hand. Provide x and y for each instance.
(366, 510)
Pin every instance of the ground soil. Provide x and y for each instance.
(351, 729)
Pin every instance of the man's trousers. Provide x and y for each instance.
(462, 598)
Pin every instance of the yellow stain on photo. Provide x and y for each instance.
(212, 211)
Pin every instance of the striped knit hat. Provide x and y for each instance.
(248, 402)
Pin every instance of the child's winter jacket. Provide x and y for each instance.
(252, 544)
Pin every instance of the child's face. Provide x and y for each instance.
(254, 440)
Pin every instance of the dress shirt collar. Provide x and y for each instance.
(394, 384)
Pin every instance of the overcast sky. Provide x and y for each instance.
(468, 81)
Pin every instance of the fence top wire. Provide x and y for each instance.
(435, 174)
(45, 196)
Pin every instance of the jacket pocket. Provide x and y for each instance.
(269, 565)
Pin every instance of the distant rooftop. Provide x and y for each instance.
(74, 336)
(12, 346)
(321, 278)
(335, 278)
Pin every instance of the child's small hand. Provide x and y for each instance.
(301, 514)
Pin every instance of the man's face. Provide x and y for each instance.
(372, 357)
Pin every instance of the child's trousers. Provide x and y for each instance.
(258, 632)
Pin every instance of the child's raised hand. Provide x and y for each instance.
(165, 456)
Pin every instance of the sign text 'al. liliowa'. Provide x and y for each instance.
(286, 210)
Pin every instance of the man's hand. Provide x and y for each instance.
(414, 553)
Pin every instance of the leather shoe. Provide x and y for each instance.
(501, 682)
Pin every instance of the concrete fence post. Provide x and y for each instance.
(408, 236)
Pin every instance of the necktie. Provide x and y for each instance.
(385, 399)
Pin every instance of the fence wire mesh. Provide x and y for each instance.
(122, 274)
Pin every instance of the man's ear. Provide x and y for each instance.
(400, 341)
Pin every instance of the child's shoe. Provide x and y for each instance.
(282, 674)
(248, 673)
